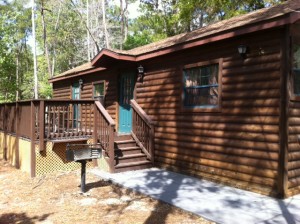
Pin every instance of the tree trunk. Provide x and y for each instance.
(34, 52)
(125, 22)
(17, 77)
(105, 25)
(122, 24)
(45, 41)
(87, 32)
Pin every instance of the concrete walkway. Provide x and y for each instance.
(212, 201)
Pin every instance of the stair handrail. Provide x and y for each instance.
(104, 127)
(143, 130)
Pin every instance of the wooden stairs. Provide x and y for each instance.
(128, 155)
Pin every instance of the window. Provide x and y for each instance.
(99, 91)
(201, 86)
(296, 65)
(296, 68)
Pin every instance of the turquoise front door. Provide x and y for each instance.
(126, 94)
(75, 96)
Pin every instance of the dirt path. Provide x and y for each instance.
(56, 198)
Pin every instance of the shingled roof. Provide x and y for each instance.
(235, 23)
(83, 67)
(224, 25)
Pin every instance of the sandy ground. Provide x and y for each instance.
(56, 198)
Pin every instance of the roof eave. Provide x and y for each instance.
(112, 54)
(263, 25)
(72, 75)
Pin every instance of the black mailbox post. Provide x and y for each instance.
(82, 153)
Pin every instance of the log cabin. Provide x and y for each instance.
(221, 103)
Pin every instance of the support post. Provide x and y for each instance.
(111, 149)
(95, 139)
(151, 143)
(17, 114)
(83, 174)
(42, 125)
(32, 137)
(284, 115)
(5, 132)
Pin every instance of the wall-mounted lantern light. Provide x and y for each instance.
(242, 49)
(80, 81)
(140, 73)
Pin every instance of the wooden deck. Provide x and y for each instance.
(79, 120)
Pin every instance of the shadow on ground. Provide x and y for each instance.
(21, 218)
(97, 184)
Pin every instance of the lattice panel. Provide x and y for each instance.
(53, 159)
(102, 164)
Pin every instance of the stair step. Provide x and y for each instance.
(127, 151)
(133, 166)
(129, 148)
(131, 158)
(122, 137)
(125, 143)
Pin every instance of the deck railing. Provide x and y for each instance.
(104, 132)
(67, 119)
(15, 118)
(142, 130)
(48, 119)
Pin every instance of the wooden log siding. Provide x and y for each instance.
(240, 144)
(294, 148)
(62, 89)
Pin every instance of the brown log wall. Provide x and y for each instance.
(63, 89)
(294, 148)
(238, 145)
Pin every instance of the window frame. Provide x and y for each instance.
(204, 108)
(98, 82)
(293, 35)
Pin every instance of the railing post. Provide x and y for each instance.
(17, 135)
(134, 121)
(5, 132)
(95, 134)
(151, 143)
(111, 149)
(42, 125)
(32, 136)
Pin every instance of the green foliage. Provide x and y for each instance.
(14, 53)
(165, 18)
(65, 34)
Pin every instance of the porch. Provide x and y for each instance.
(48, 124)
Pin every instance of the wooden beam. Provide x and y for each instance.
(17, 161)
(283, 118)
(95, 134)
(5, 132)
(42, 126)
(32, 138)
